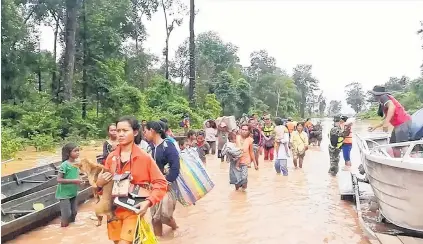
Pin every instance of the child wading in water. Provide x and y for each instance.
(68, 181)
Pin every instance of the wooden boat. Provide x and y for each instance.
(18, 216)
(397, 182)
(28, 181)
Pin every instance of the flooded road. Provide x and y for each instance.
(302, 208)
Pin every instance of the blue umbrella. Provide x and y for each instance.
(417, 125)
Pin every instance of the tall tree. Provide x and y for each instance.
(307, 85)
(322, 104)
(85, 60)
(226, 93)
(335, 107)
(174, 12)
(397, 84)
(179, 67)
(141, 8)
(72, 7)
(191, 91)
(355, 96)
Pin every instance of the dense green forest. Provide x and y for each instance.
(104, 72)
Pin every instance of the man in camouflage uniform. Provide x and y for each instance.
(334, 151)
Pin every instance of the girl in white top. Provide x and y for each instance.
(282, 156)
(211, 134)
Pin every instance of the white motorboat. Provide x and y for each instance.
(397, 182)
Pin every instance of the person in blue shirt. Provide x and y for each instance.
(166, 155)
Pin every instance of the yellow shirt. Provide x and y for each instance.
(299, 141)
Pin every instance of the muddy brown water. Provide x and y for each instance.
(302, 208)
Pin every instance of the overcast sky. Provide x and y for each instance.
(364, 41)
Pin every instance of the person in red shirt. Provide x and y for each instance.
(394, 114)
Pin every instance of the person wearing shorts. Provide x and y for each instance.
(393, 113)
(401, 133)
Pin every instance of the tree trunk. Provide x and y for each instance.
(40, 88)
(167, 57)
(85, 64)
(135, 20)
(191, 53)
(69, 56)
(166, 51)
(98, 103)
(54, 85)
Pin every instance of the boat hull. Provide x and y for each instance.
(397, 184)
(28, 181)
(399, 192)
(14, 227)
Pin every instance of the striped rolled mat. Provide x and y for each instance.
(193, 182)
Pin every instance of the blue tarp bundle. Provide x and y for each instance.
(417, 126)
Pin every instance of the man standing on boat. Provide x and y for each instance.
(394, 114)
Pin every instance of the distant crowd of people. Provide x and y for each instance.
(147, 155)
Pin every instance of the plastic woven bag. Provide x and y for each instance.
(144, 233)
(193, 181)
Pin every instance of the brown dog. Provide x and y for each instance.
(104, 205)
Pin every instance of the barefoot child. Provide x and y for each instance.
(280, 139)
(231, 151)
(68, 181)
